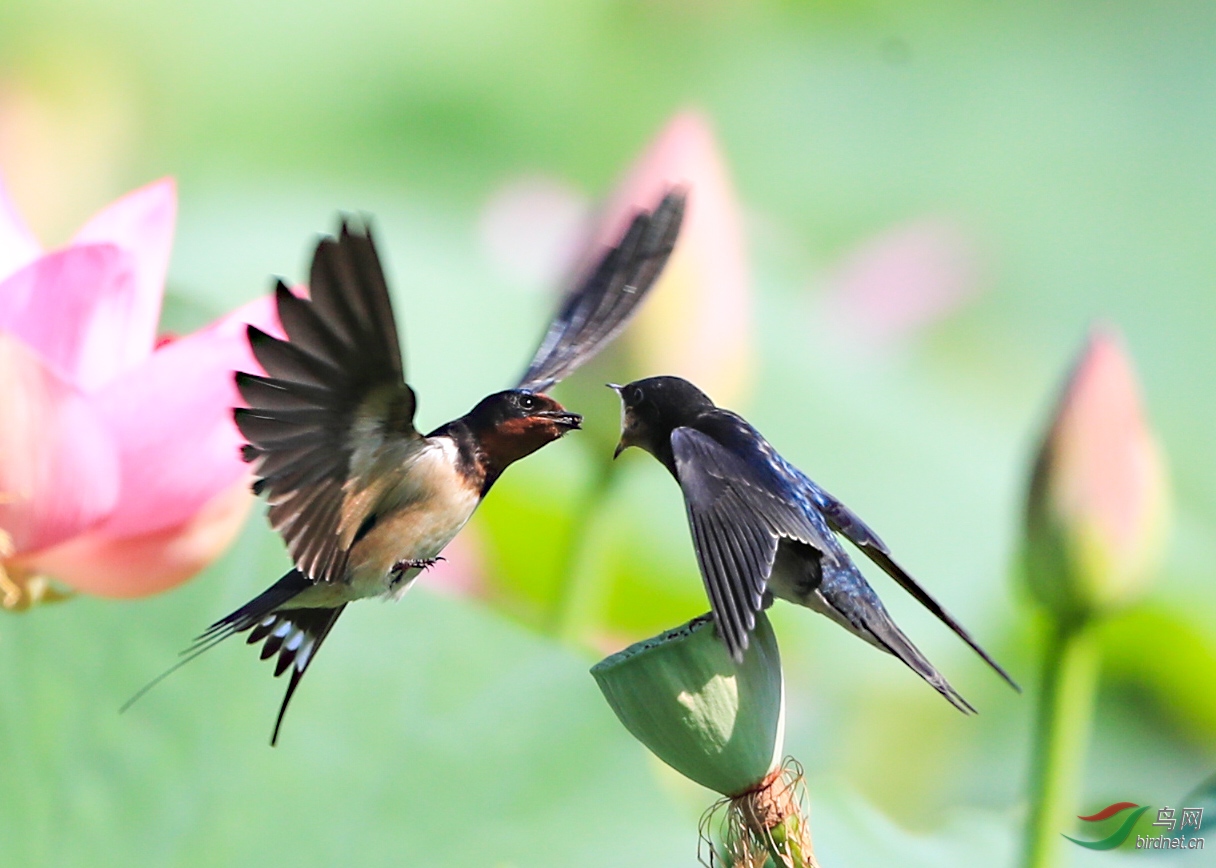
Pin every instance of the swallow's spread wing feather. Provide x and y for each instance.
(845, 522)
(335, 387)
(737, 523)
(599, 307)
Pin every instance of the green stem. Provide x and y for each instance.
(576, 594)
(1066, 701)
(794, 839)
(770, 844)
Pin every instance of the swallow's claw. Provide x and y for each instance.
(415, 564)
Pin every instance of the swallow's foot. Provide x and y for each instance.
(397, 574)
(415, 564)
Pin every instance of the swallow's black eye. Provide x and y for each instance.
(635, 396)
(527, 403)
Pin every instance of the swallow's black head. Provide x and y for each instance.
(512, 424)
(652, 408)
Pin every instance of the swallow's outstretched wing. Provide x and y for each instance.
(737, 523)
(335, 393)
(598, 308)
(845, 522)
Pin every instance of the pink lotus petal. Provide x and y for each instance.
(18, 246)
(147, 564)
(58, 461)
(71, 307)
(140, 223)
(698, 323)
(172, 417)
(905, 279)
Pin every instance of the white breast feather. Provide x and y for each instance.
(424, 512)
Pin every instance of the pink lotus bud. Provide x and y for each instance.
(698, 322)
(1097, 510)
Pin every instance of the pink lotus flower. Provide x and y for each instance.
(119, 465)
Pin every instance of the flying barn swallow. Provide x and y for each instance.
(762, 529)
(363, 500)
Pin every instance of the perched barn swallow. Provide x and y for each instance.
(762, 529)
(363, 500)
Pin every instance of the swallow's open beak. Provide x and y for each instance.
(567, 420)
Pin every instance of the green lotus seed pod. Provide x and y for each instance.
(719, 723)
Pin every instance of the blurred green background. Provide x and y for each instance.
(1066, 149)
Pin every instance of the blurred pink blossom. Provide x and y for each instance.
(460, 573)
(903, 279)
(531, 227)
(119, 465)
(698, 322)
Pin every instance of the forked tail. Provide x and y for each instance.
(294, 634)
